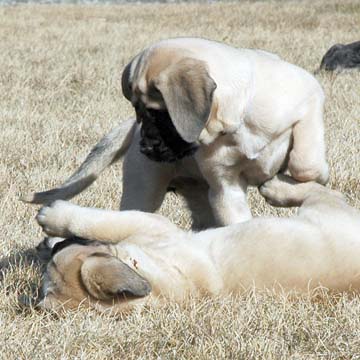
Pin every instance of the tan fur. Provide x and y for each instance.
(253, 114)
(259, 99)
(160, 60)
(319, 246)
(188, 91)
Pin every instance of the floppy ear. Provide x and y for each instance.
(187, 89)
(106, 277)
(125, 82)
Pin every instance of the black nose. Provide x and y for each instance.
(159, 139)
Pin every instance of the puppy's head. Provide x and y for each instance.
(85, 273)
(332, 58)
(341, 56)
(172, 94)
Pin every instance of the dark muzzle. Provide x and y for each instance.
(159, 139)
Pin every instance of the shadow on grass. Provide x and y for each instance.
(13, 265)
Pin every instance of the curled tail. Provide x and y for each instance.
(109, 149)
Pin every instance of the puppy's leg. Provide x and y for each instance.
(64, 219)
(195, 193)
(201, 212)
(307, 158)
(145, 181)
(284, 191)
(228, 201)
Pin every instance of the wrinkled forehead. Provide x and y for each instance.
(61, 268)
(58, 244)
(152, 63)
(67, 256)
(71, 254)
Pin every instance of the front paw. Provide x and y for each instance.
(55, 218)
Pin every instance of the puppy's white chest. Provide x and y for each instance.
(246, 153)
(248, 142)
(237, 148)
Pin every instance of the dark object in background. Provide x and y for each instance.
(341, 56)
(160, 141)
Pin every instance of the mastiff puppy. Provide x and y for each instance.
(341, 56)
(212, 117)
(123, 260)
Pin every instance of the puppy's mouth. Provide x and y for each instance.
(160, 140)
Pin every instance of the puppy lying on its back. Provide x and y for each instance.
(132, 258)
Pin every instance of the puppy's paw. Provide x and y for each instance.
(55, 218)
(277, 191)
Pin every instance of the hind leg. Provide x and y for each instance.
(144, 181)
(307, 160)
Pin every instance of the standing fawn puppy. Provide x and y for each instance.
(224, 118)
(125, 260)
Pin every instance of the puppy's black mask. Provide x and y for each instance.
(159, 139)
(74, 240)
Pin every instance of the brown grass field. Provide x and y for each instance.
(60, 69)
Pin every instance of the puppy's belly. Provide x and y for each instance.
(271, 160)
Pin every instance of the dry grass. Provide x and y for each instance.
(60, 70)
